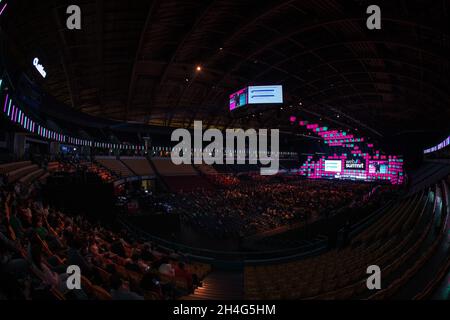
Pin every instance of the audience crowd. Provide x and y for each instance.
(38, 243)
(265, 203)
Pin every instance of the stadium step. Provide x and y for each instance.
(44, 177)
(17, 174)
(32, 176)
(8, 167)
(220, 285)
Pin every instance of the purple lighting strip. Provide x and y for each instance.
(6, 103)
(4, 7)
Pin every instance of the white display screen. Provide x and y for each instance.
(265, 94)
(333, 165)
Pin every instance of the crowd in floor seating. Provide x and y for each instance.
(264, 204)
(223, 180)
(38, 243)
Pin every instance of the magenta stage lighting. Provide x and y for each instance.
(6, 103)
(3, 9)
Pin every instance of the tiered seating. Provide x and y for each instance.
(428, 174)
(186, 183)
(182, 177)
(121, 260)
(341, 274)
(32, 176)
(44, 177)
(53, 166)
(166, 167)
(207, 169)
(19, 171)
(103, 173)
(140, 166)
(115, 166)
(237, 168)
(23, 171)
(7, 167)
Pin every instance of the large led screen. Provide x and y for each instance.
(378, 167)
(333, 165)
(355, 164)
(239, 99)
(265, 94)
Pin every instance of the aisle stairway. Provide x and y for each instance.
(220, 285)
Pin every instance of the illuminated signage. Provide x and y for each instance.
(333, 165)
(256, 95)
(265, 94)
(39, 67)
(355, 164)
(378, 167)
(238, 99)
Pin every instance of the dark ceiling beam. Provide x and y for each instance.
(150, 15)
(147, 67)
(394, 105)
(408, 88)
(270, 9)
(366, 72)
(409, 45)
(179, 47)
(100, 51)
(411, 65)
(318, 56)
(311, 50)
(336, 99)
(181, 96)
(217, 96)
(65, 55)
(263, 13)
(350, 48)
(404, 116)
(389, 73)
(309, 26)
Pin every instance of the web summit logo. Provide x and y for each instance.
(234, 153)
(355, 164)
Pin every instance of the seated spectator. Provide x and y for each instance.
(74, 256)
(40, 230)
(133, 263)
(151, 286)
(121, 290)
(182, 273)
(49, 278)
(166, 269)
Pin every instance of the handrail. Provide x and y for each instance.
(229, 255)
